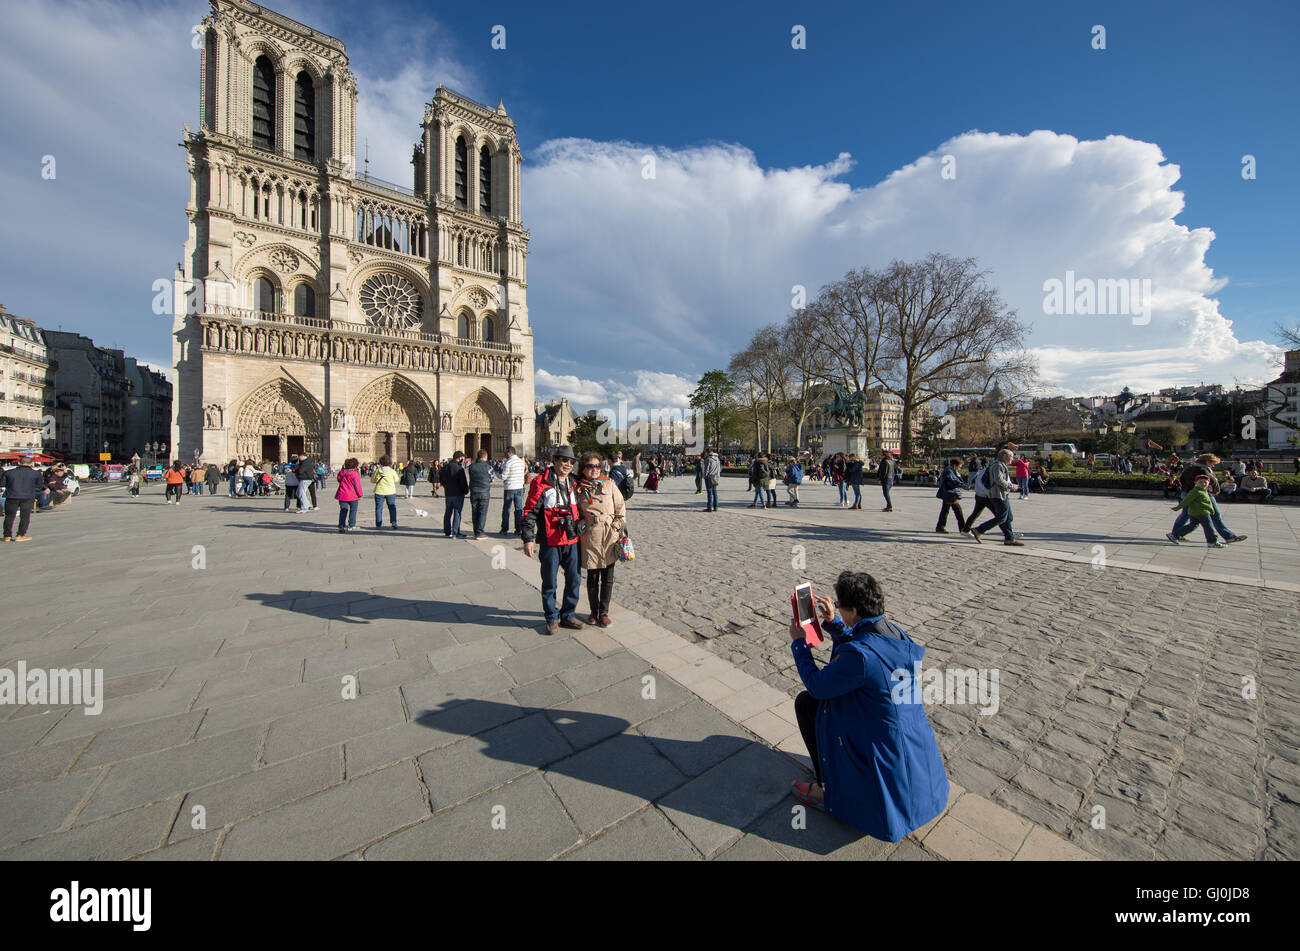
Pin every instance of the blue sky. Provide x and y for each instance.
(752, 195)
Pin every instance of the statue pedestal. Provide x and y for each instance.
(845, 440)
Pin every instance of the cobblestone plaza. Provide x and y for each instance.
(1155, 682)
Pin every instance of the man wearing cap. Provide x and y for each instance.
(552, 508)
(22, 485)
(455, 483)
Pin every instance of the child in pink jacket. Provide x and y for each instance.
(348, 495)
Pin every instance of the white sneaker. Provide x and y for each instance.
(1216, 544)
(1172, 538)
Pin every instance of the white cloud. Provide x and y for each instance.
(680, 269)
(648, 389)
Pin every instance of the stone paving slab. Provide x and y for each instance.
(227, 694)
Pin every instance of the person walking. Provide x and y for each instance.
(435, 467)
(22, 485)
(512, 499)
(710, 473)
(997, 484)
(757, 480)
(348, 495)
(479, 475)
(886, 472)
(250, 477)
(290, 472)
(551, 512)
(133, 481)
(853, 476)
(973, 467)
(212, 476)
(1196, 507)
(455, 486)
(175, 482)
(408, 479)
(793, 479)
(1022, 476)
(306, 473)
(1204, 465)
(600, 502)
(652, 477)
(950, 486)
(384, 480)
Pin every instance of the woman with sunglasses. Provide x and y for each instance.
(601, 503)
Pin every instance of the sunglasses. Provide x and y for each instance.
(592, 465)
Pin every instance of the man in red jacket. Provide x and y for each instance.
(551, 506)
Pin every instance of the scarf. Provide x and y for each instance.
(585, 488)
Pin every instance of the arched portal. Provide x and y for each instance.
(275, 420)
(481, 423)
(392, 416)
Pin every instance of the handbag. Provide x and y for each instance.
(625, 550)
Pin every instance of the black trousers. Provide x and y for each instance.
(600, 589)
(14, 507)
(805, 711)
(955, 506)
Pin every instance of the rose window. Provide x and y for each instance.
(391, 302)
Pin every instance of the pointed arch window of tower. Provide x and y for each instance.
(304, 118)
(462, 161)
(304, 301)
(263, 104)
(264, 296)
(489, 330)
(462, 326)
(485, 182)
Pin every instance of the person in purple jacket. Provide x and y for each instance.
(348, 495)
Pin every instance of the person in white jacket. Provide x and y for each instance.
(512, 477)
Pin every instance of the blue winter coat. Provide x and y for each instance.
(950, 485)
(880, 763)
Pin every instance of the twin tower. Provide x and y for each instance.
(321, 310)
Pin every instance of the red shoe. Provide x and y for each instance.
(605, 621)
(591, 619)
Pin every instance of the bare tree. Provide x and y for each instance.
(843, 323)
(947, 334)
(761, 372)
(806, 368)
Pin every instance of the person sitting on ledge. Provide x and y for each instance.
(1254, 486)
(876, 760)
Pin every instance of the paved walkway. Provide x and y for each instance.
(226, 733)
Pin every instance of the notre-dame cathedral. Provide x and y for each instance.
(320, 310)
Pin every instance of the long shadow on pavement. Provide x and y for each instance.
(705, 786)
(362, 607)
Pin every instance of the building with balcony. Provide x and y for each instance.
(26, 386)
(323, 311)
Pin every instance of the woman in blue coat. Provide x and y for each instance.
(877, 762)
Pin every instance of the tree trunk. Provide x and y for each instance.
(905, 438)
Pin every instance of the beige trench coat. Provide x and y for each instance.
(608, 517)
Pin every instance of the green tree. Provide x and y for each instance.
(713, 396)
(585, 437)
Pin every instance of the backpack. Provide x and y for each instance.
(796, 474)
(625, 483)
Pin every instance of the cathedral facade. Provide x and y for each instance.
(320, 310)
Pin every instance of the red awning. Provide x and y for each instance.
(39, 458)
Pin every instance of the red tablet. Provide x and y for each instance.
(805, 614)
